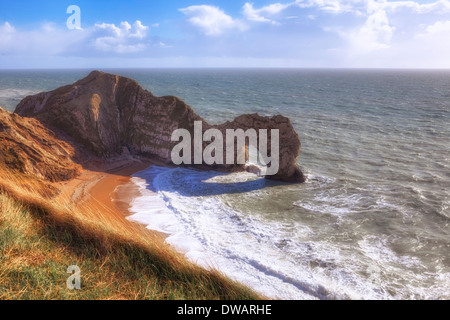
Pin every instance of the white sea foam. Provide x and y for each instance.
(275, 259)
(213, 235)
(333, 202)
(151, 210)
(314, 178)
(14, 93)
(10, 97)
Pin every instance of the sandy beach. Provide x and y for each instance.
(98, 190)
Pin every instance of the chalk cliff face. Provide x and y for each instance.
(111, 115)
(28, 147)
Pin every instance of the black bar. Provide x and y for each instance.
(270, 309)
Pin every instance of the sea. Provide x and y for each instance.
(372, 220)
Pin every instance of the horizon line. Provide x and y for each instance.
(229, 68)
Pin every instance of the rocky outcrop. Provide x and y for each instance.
(112, 115)
(289, 142)
(109, 115)
(28, 147)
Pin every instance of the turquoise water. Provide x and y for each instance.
(372, 220)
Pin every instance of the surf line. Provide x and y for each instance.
(214, 152)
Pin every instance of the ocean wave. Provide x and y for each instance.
(14, 93)
(214, 235)
(318, 179)
(10, 97)
(285, 264)
(337, 202)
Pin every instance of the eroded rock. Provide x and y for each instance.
(28, 147)
(109, 115)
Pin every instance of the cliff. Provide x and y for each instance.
(110, 115)
(30, 148)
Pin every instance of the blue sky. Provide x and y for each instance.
(226, 33)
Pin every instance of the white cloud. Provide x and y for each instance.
(47, 40)
(6, 28)
(269, 12)
(434, 43)
(212, 20)
(440, 6)
(115, 45)
(140, 31)
(380, 25)
(439, 27)
(121, 39)
(332, 6)
(262, 14)
(6, 35)
(350, 32)
(399, 34)
(125, 30)
(375, 34)
(344, 33)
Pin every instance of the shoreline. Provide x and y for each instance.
(109, 192)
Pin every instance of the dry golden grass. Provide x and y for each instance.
(40, 237)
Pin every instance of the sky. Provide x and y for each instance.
(226, 33)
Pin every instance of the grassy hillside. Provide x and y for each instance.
(40, 238)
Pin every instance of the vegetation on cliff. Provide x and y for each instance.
(40, 238)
